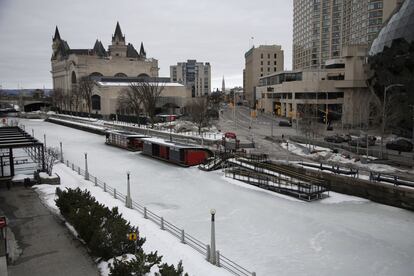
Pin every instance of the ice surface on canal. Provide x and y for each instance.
(263, 231)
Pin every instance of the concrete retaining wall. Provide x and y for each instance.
(74, 125)
(398, 196)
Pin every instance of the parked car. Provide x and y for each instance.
(400, 144)
(334, 139)
(230, 135)
(285, 124)
(362, 142)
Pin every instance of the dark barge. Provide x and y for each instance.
(177, 153)
(125, 139)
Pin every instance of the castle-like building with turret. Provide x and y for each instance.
(120, 60)
(111, 70)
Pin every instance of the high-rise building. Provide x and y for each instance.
(193, 74)
(260, 61)
(321, 28)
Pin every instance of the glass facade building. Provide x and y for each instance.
(400, 25)
(321, 28)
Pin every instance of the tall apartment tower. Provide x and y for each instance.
(321, 28)
(260, 61)
(193, 74)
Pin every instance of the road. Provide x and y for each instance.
(48, 248)
(260, 127)
(257, 130)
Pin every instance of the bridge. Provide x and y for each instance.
(25, 104)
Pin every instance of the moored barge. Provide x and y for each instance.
(125, 139)
(177, 153)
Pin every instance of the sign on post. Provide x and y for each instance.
(132, 236)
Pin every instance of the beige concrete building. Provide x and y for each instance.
(322, 28)
(259, 62)
(339, 90)
(193, 74)
(106, 92)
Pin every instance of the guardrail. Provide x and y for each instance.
(184, 237)
(404, 160)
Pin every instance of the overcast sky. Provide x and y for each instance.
(215, 31)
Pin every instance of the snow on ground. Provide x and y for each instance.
(261, 231)
(327, 155)
(156, 240)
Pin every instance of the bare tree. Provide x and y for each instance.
(85, 88)
(58, 98)
(51, 156)
(308, 120)
(198, 110)
(77, 97)
(149, 92)
(130, 100)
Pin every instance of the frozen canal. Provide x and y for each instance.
(262, 231)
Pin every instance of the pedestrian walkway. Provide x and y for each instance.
(48, 248)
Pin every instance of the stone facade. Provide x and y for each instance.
(174, 94)
(260, 61)
(339, 89)
(111, 71)
(120, 60)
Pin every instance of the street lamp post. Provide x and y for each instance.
(61, 153)
(86, 167)
(128, 200)
(384, 114)
(213, 238)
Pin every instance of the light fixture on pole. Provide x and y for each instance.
(213, 238)
(86, 167)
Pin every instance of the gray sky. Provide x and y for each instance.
(215, 31)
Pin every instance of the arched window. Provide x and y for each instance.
(120, 75)
(96, 102)
(95, 74)
(73, 77)
(143, 75)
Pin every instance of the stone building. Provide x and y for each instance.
(339, 89)
(120, 60)
(193, 74)
(260, 61)
(112, 69)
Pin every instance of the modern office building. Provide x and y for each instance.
(400, 26)
(260, 61)
(193, 74)
(321, 28)
(339, 89)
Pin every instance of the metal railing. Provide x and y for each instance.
(360, 150)
(165, 225)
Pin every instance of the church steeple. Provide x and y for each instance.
(223, 86)
(118, 36)
(57, 35)
(142, 52)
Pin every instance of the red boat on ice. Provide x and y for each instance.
(125, 139)
(177, 153)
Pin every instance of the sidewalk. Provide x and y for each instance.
(48, 248)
